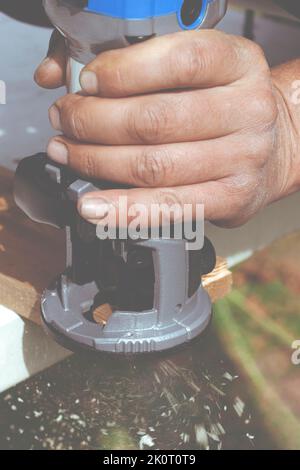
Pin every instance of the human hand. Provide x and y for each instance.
(192, 118)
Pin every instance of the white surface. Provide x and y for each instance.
(24, 129)
(24, 349)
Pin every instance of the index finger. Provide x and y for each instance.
(183, 60)
(51, 72)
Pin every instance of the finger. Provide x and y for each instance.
(154, 166)
(183, 60)
(51, 72)
(98, 206)
(152, 119)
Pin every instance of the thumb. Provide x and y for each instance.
(51, 72)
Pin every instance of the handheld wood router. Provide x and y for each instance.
(119, 296)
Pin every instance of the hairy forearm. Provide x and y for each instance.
(286, 79)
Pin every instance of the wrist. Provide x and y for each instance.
(287, 133)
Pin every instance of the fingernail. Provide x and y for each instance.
(54, 116)
(58, 152)
(94, 208)
(89, 82)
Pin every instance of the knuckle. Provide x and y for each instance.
(153, 168)
(242, 184)
(88, 165)
(75, 119)
(190, 60)
(245, 196)
(270, 109)
(78, 126)
(251, 53)
(238, 187)
(148, 125)
(263, 107)
(258, 54)
(259, 148)
(169, 197)
(252, 49)
(114, 80)
(119, 81)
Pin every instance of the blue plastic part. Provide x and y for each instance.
(143, 9)
(134, 9)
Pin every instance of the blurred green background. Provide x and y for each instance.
(258, 323)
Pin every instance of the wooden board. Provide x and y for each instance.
(31, 255)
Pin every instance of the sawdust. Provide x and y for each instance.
(190, 399)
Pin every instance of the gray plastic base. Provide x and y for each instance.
(121, 333)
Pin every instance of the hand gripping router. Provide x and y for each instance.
(153, 286)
